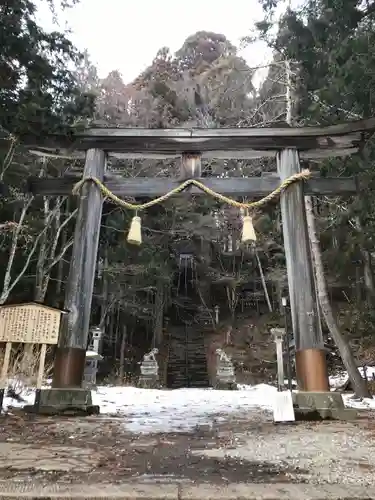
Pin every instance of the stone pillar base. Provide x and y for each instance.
(145, 382)
(63, 401)
(225, 386)
(321, 406)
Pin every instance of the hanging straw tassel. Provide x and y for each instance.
(248, 232)
(135, 233)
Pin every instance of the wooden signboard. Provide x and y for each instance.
(30, 323)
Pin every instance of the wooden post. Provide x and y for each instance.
(311, 364)
(190, 167)
(39, 380)
(71, 352)
(4, 372)
(42, 362)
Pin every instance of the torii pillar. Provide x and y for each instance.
(311, 366)
(314, 400)
(67, 391)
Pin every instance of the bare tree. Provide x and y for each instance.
(12, 252)
(48, 256)
(8, 284)
(263, 280)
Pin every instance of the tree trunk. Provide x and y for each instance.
(39, 293)
(54, 259)
(122, 355)
(43, 268)
(159, 313)
(112, 333)
(264, 284)
(104, 299)
(368, 275)
(359, 384)
(116, 325)
(13, 248)
(60, 267)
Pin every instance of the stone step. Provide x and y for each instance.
(187, 363)
(179, 490)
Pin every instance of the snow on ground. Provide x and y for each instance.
(153, 410)
(338, 380)
(359, 403)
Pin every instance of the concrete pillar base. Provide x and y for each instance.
(321, 406)
(63, 401)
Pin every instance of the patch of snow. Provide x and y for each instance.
(362, 404)
(370, 372)
(27, 395)
(359, 403)
(93, 355)
(338, 380)
(181, 410)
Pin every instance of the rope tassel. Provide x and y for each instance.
(135, 231)
(248, 231)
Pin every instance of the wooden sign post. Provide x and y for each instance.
(4, 372)
(29, 323)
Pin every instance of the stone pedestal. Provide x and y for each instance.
(321, 406)
(149, 378)
(146, 382)
(225, 376)
(91, 369)
(63, 401)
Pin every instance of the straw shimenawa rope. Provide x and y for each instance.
(300, 176)
(135, 231)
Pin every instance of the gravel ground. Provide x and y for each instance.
(324, 452)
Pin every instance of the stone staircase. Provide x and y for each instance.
(187, 362)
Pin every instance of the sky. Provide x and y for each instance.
(125, 35)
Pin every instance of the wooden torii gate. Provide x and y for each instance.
(286, 145)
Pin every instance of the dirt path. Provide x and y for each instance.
(251, 449)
